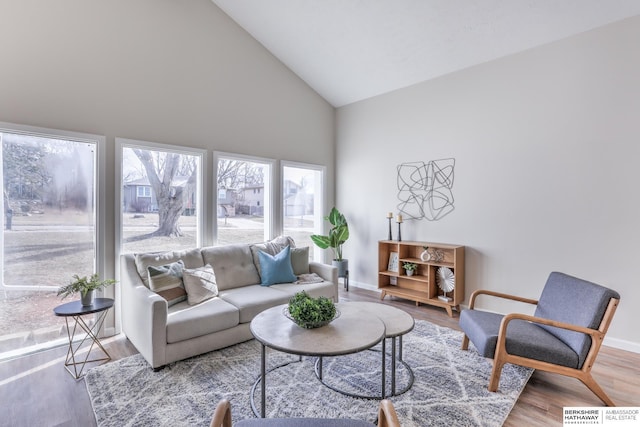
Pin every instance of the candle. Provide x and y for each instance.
(399, 218)
(390, 215)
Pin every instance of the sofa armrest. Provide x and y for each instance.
(328, 273)
(144, 314)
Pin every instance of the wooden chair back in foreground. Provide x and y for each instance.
(563, 336)
(387, 417)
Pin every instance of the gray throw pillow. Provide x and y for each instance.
(300, 260)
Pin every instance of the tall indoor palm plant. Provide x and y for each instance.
(338, 234)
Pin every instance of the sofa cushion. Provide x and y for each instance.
(276, 268)
(166, 281)
(318, 289)
(251, 300)
(300, 260)
(191, 258)
(271, 247)
(233, 265)
(186, 321)
(200, 284)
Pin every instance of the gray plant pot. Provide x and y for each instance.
(87, 299)
(343, 266)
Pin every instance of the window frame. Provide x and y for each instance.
(270, 215)
(202, 201)
(320, 207)
(100, 262)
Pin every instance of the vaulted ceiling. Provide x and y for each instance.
(349, 50)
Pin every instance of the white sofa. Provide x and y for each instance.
(164, 334)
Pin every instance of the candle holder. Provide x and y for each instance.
(399, 232)
(390, 235)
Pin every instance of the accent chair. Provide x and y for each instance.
(563, 336)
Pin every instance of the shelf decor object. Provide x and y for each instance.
(446, 282)
(389, 216)
(399, 221)
(393, 262)
(438, 279)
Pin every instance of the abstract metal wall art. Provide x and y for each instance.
(424, 189)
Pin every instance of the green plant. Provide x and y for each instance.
(309, 312)
(82, 285)
(338, 234)
(410, 266)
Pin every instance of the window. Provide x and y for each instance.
(161, 195)
(144, 191)
(303, 204)
(49, 207)
(243, 215)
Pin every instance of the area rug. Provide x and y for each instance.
(450, 387)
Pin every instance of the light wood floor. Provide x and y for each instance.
(36, 390)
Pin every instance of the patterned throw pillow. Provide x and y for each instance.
(200, 284)
(166, 281)
(276, 268)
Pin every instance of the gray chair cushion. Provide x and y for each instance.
(523, 338)
(576, 301)
(302, 422)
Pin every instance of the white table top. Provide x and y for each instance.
(355, 330)
(397, 322)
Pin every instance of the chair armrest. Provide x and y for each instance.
(475, 294)
(594, 333)
(144, 314)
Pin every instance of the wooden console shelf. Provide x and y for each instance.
(422, 287)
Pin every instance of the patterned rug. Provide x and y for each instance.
(450, 386)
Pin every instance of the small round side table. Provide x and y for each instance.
(75, 310)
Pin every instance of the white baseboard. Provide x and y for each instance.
(633, 347)
(363, 286)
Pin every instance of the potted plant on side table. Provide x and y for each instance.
(85, 286)
(338, 234)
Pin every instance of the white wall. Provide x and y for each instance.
(547, 149)
(175, 72)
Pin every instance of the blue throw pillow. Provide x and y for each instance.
(277, 268)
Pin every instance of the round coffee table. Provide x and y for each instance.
(397, 323)
(354, 331)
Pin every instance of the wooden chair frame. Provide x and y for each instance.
(387, 416)
(222, 414)
(501, 356)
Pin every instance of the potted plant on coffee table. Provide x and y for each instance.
(85, 286)
(338, 234)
